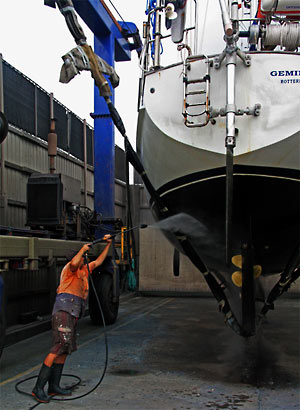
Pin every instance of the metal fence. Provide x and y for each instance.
(27, 106)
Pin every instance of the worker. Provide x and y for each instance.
(69, 306)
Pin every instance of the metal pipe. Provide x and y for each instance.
(170, 35)
(234, 10)
(229, 204)
(123, 229)
(147, 43)
(85, 163)
(52, 139)
(230, 95)
(230, 144)
(157, 35)
(253, 8)
(251, 19)
(196, 28)
(52, 147)
(226, 19)
(51, 106)
(68, 130)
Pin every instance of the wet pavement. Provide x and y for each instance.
(170, 353)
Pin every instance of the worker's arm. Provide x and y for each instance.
(76, 261)
(103, 255)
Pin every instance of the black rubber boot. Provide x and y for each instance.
(56, 371)
(38, 390)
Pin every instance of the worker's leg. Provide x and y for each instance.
(67, 336)
(59, 347)
(57, 368)
(44, 376)
(50, 359)
(60, 359)
(64, 342)
(38, 390)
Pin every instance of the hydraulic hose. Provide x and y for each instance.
(67, 10)
(134, 159)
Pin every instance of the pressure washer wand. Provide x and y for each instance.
(142, 226)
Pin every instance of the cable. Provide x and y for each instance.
(121, 16)
(106, 355)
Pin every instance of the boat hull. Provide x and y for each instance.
(187, 167)
(265, 210)
(265, 214)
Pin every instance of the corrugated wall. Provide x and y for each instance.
(25, 154)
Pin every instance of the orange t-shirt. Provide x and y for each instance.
(75, 283)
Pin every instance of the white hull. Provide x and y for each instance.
(170, 150)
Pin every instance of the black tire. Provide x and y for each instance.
(103, 283)
(2, 318)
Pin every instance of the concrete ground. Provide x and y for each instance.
(170, 353)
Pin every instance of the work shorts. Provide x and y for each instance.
(64, 333)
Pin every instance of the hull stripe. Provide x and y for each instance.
(223, 176)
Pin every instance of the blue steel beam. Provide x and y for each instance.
(110, 44)
(104, 141)
(101, 22)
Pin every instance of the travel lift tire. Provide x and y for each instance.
(103, 282)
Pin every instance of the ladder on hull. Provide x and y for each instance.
(196, 110)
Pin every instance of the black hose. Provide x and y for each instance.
(34, 377)
(67, 9)
(134, 160)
